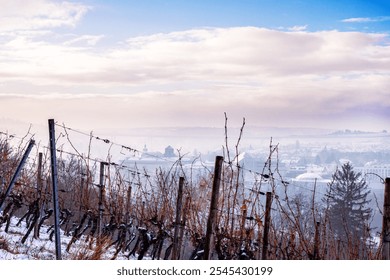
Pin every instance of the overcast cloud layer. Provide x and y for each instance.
(272, 77)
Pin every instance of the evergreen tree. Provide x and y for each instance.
(347, 199)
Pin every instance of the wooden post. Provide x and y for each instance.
(128, 204)
(127, 214)
(213, 207)
(81, 197)
(183, 225)
(260, 235)
(53, 158)
(386, 222)
(1, 184)
(316, 241)
(101, 198)
(16, 174)
(179, 205)
(338, 253)
(267, 220)
(39, 187)
(39, 175)
(244, 210)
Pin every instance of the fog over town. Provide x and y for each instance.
(227, 130)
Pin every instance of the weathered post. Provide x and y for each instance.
(81, 197)
(53, 159)
(16, 175)
(39, 175)
(128, 214)
(39, 187)
(182, 228)
(178, 222)
(316, 242)
(101, 198)
(386, 222)
(213, 207)
(244, 210)
(267, 221)
(128, 204)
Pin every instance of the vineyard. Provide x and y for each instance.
(171, 213)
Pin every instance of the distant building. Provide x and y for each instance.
(372, 170)
(373, 173)
(310, 177)
(314, 177)
(169, 152)
(151, 161)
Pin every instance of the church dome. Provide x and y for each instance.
(310, 176)
(169, 152)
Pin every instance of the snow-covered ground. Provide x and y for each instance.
(11, 247)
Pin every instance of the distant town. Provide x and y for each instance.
(303, 161)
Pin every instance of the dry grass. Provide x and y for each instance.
(6, 246)
(85, 252)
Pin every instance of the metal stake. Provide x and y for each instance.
(18, 169)
(53, 159)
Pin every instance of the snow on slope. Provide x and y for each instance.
(11, 247)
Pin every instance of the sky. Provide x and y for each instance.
(98, 65)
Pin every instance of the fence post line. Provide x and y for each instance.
(17, 172)
(267, 221)
(213, 207)
(53, 159)
(178, 223)
(386, 222)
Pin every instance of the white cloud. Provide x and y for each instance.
(197, 74)
(90, 40)
(298, 28)
(357, 20)
(39, 14)
(233, 54)
(366, 19)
